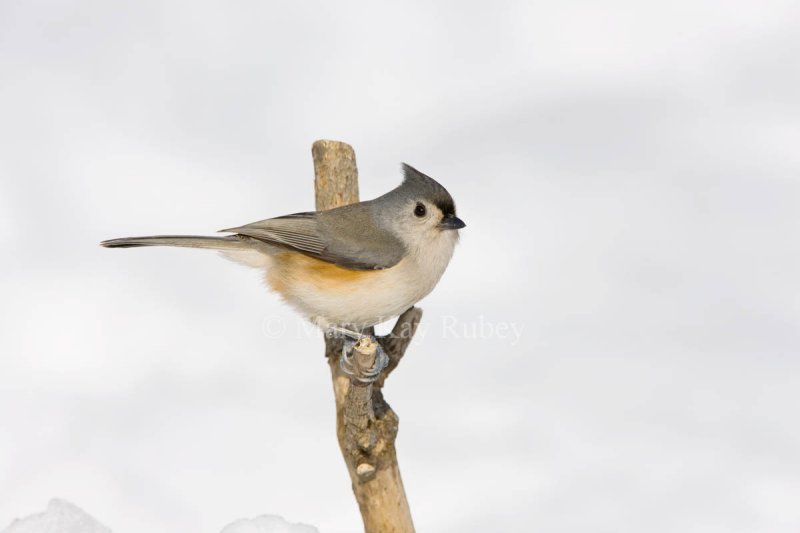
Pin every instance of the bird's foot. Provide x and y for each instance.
(363, 359)
(334, 331)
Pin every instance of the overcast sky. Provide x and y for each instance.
(630, 179)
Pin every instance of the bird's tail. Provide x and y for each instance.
(230, 242)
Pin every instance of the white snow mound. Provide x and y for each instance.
(60, 517)
(267, 524)
(64, 517)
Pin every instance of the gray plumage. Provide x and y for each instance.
(186, 241)
(349, 236)
(362, 236)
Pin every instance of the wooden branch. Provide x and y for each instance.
(335, 174)
(396, 342)
(366, 427)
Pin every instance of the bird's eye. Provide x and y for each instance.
(420, 210)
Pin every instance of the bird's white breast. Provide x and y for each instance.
(331, 295)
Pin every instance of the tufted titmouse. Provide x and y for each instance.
(350, 267)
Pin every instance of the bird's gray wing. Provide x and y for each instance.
(346, 236)
(298, 231)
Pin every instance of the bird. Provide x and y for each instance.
(349, 268)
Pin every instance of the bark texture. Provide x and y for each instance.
(366, 426)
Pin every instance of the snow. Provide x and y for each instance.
(267, 524)
(64, 517)
(59, 517)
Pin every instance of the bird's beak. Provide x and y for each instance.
(451, 222)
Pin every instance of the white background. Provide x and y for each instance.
(629, 175)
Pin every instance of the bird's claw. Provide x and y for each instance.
(350, 366)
